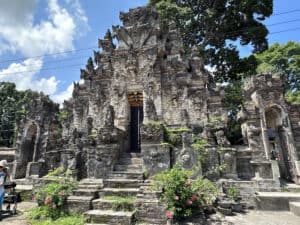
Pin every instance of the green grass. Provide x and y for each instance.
(67, 220)
(121, 203)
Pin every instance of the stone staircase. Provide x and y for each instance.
(287, 200)
(116, 202)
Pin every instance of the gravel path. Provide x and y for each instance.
(264, 218)
(18, 219)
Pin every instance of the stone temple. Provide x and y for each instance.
(140, 84)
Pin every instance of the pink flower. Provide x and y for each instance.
(61, 193)
(53, 206)
(194, 197)
(176, 198)
(47, 201)
(188, 183)
(189, 202)
(170, 214)
(33, 198)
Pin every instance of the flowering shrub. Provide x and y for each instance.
(183, 195)
(51, 197)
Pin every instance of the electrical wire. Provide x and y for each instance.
(93, 47)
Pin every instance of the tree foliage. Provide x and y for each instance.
(284, 59)
(233, 101)
(12, 109)
(216, 27)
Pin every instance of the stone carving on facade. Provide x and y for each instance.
(150, 110)
(221, 138)
(187, 157)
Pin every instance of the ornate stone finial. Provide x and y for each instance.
(107, 44)
(90, 65)
(108, 35)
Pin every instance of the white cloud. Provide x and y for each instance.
(64, 95)
(23, 75)
(28, 36)
(55, 34)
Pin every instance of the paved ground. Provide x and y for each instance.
(265, 218)
(18, 219)
(249, 218)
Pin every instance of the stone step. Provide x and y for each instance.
(131, 160)
(96, 224)
(295, 208)
(132, 167)
(131, 155)
(79, 204)
(7, 154)
(291, 187)
(122, 204)
(90, 186)
(108, 217)
(150, 211)
(122, 183)
(127, 175)
(25, 192)
(86, 192)
(275, 201)
(123, 192)
(92, 182)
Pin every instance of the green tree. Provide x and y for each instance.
(216, 27)
(12, 108)
(233, 101)
(284, 59)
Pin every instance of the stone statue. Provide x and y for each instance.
(150, 110)
(221, 138)
(109, 117)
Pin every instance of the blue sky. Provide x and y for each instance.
(31, 28)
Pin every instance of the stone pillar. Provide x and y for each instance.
(156, 155)
(228, 157)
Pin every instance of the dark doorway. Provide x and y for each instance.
(136, 116)
(135, 100)
(278, 144)
(27, 150)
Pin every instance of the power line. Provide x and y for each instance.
(284, 22)
(93, 47)
(50, 54)
(61, 60)
(286, 12)
(51, 68)
(76, 65)
(287, 30)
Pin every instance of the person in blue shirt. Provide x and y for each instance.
(2, 181)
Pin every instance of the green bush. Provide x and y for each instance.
(199, 145)
(52, 196)
(173, 135)
(233, 193)
(184, 196)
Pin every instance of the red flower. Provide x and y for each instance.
(176, 198)
(170, 214)
(194, 197)
(189, 202)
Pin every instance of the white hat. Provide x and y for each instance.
(3, 163)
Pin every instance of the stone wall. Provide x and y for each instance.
(39, 132)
